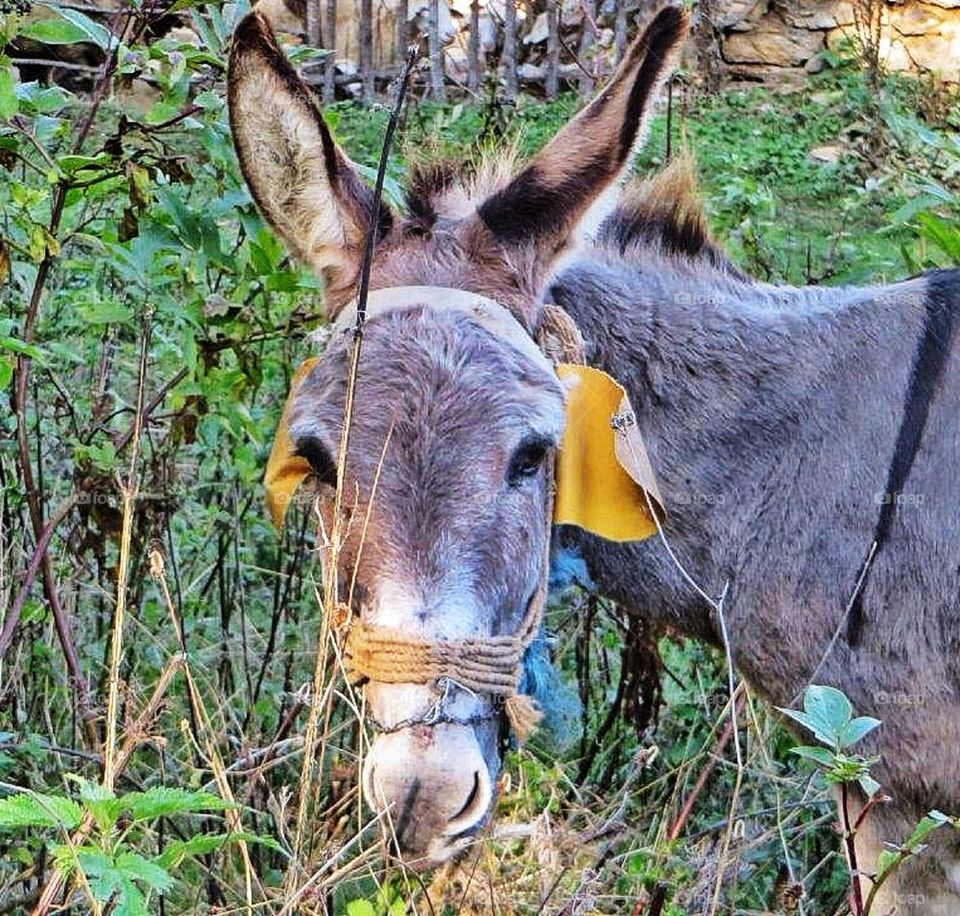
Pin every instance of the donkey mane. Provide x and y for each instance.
(439, 187)
(664, 214)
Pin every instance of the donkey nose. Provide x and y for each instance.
(432, 788)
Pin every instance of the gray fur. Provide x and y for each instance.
(770, 414)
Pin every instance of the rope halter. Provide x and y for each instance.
(488, 665)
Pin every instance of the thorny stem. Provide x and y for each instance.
(849, 833)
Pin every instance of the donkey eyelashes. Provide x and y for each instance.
(320, 459)
(527, 459)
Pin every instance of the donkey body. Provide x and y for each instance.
(791, 429)
(776, 419)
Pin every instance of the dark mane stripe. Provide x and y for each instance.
(429, 180)
(665, 212)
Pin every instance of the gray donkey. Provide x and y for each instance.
(805, 441)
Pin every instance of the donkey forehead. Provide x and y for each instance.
(430, 372)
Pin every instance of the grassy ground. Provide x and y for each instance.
(158, 255)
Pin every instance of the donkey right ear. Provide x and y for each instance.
(304, 185)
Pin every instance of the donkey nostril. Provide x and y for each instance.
(369, 786)
(474, 808)
(471, 798)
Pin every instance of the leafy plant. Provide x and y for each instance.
(102, 855)
(828, 714)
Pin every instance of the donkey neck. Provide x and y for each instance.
(717, 368)
(735, 385)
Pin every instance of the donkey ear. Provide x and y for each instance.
(546, 200)
(304, 185)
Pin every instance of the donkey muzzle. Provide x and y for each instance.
(432, 789)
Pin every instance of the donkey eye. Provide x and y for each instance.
(321, 461)
(526, 460)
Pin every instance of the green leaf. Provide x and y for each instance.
(136, 867)
(72, 164)
(72, 27)
(944, 235)
(35, 810)
(826, 711)
(927, 825)
(101, 803)
(200, 845)
(869, 785)
(205, 843)
(96, 33)
(360, 907)
(163, 801)
(887, 859)
(94, 862)
(18, 346)
(8, 89)
(819, 755)
(6, 373)
(130, 902)
(53, 32)
(857, 729)
(104, 312)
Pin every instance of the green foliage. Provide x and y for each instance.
(37, 810)
(829, 715)
(110, 866)
(139, 233)
(65, 27)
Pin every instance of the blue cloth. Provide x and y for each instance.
(559, 701)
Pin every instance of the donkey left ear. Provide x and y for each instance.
(305, 186)
(546, 201)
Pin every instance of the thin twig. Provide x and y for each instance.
(205, 740)
(13, 615)
(864, 570)
(128, 491)
(330, 585)
(676, 828)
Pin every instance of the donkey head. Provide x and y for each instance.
(452, 426)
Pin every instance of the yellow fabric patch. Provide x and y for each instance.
(286, 470)
(602, 468)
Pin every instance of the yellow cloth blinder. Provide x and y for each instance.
(602, 469)
(286, 470)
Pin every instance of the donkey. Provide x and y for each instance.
(805, 442)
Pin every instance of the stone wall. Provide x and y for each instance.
(772, 39)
